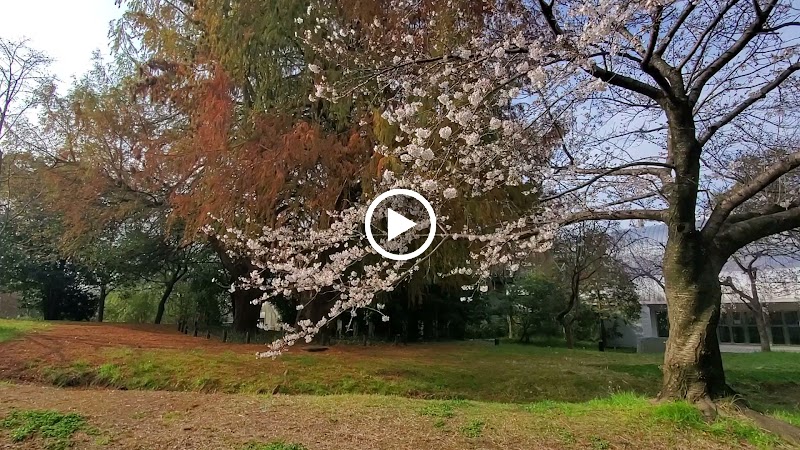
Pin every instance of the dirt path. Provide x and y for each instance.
(180, 420)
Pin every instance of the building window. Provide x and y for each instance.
(794, 335)
(778, 337)
(662, 324)
(785, 327)
(738, 335)
(753, 335)
(724, 334)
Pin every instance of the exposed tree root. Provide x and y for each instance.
(733, 405)
(784, 430)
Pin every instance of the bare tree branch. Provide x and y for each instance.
(728, 282)
(715, 66)
(624, 82)
(736, 236)
(752, 99)
(676, 26)
(601, 173)
(740, 194)
(659, 215)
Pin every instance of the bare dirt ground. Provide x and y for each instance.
(179, 420)
(64, 343)
(67, 342)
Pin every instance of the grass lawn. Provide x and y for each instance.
(10, 329)
(472, 390)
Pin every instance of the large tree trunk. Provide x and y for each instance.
(692, 361)
(168, 287)
(245, 313)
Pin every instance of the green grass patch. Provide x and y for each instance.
(110, 374)
(277, 445)
(442, 409)
(54, 427)
(638, 411)
(12, 329)
(473, 428)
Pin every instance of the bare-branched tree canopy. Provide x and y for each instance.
(23, 80)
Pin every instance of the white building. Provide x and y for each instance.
(778, 288)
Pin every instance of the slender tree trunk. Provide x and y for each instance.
(602, 343)
(758, 311)
(562, 317)
(101, 305)
(510, 320)
(170, 285)
(569, 337)
(761, 325)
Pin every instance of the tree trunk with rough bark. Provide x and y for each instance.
(692, 361)
(245, 313)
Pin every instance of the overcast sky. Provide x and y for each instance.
(67, 31)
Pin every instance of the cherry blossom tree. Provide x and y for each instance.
(611, 111)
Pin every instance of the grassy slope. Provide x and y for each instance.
(583, 388)
(10, 329)
(476, 371)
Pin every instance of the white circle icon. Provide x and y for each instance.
(398, 224)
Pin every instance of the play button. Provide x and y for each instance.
(398, 224)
